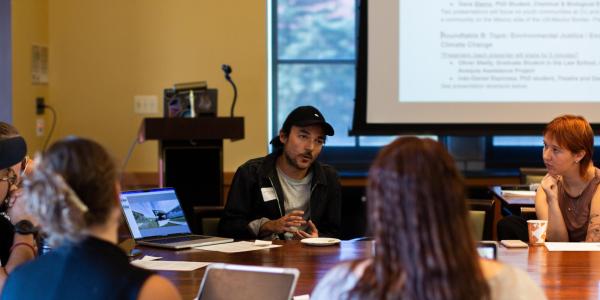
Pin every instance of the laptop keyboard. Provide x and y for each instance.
(178, 239)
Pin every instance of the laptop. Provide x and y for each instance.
(155, 218)
(227, 281)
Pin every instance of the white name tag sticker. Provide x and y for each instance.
(268, 194)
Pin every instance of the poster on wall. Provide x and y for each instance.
(39, 64)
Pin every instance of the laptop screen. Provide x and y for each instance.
(226, 281)
(152, 213)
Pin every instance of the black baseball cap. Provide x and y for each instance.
(12, 151)
(304, 116)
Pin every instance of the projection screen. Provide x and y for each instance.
(476, 67)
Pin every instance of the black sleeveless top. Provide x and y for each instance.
(92, 269)
(7, 235)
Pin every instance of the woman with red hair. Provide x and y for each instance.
(569, 197)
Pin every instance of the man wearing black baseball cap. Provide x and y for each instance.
(286, 194)
(16, 246)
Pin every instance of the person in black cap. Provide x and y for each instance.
(16, 244)
(286, 194)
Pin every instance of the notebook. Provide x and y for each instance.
(227, 281)
(155, 218)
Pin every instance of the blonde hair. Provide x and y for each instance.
(72, 188)
(50, 198)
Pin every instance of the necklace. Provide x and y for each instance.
(574, 203)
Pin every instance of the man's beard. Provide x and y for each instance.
(293, 162)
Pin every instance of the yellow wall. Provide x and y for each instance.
(104, 52)
(29, 27)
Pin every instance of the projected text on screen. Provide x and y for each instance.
(499, 51)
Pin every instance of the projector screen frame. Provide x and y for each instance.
(361, 127)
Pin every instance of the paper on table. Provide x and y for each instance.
(236, 247)
(148, 258)
(572, 246)
(518, 193)
(262, 243)
(164, 265)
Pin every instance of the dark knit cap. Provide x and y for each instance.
(12, 151)
(303, 116)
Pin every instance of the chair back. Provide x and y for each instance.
(531, 175)
(477, 223)
(210, 226)
(207, 217)
(483, 208)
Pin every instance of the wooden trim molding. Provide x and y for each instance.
(144, 180)
(139, 180)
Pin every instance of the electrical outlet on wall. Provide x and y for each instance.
(39, 126)
(145, 105)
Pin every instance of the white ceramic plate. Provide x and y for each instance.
(324, 241)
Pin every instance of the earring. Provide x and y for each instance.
(576, 161)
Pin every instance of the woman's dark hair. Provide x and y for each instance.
(72, 188)
(419, 218)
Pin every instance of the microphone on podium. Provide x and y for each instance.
(227, 70)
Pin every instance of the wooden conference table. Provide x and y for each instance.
(313, 262)
(562, 275)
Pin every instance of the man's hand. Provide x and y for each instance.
(287, 223)
(550, 186)
(313, 232)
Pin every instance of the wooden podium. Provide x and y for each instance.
(190, 154)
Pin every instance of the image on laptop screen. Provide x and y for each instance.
(153, 213)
